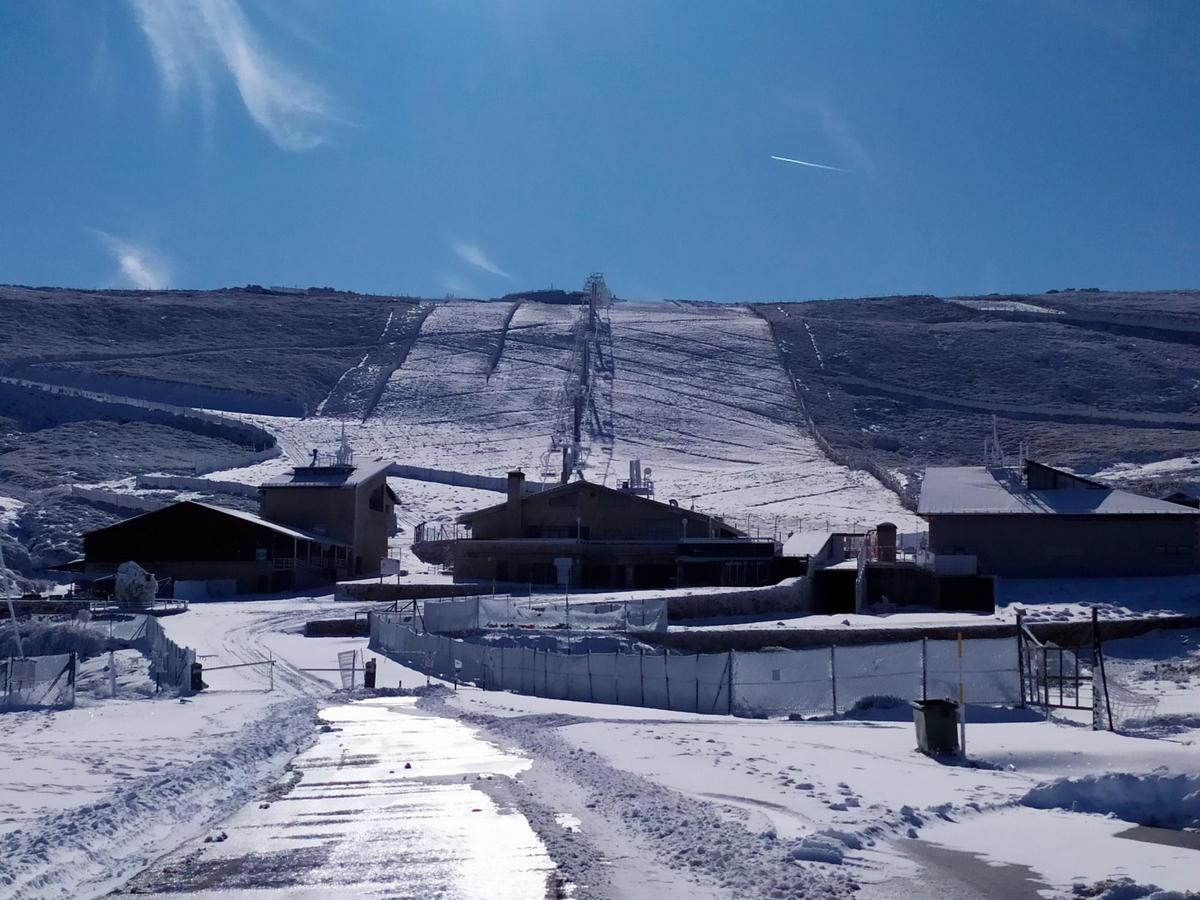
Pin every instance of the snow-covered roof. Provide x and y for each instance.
(806, 543)
(328, 476)
(286, 530)
(976, 490)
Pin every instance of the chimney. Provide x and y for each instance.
(515, 518)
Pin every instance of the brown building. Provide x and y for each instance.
(197, 542)
(1042, 522)
(353, 505)
(317, 525)
(590, 536)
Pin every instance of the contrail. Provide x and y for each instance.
(801, 162)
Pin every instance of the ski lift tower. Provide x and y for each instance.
(576, 405)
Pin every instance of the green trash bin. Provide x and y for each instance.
(937, 726)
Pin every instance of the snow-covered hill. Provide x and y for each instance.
(718, 400)
(697, 393)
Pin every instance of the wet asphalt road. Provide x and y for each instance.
(349, 819)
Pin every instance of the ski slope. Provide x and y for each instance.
(697, 393)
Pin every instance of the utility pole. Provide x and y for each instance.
(12, 613)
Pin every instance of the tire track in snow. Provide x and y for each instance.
(499, 352)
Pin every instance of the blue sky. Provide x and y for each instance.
(481, 148)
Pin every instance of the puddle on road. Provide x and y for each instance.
(359, 823)
(1165, 837)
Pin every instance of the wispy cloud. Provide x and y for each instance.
(812, 165)
(474, 255)
(140, 266)
(839, 133)
(836, 131)
(195, 43)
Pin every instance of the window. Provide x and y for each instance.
(555, 532)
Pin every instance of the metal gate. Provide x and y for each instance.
(1054, 676)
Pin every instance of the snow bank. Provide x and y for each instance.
(1126, 889)
(685, 834)
(43, 638)
(88, 850)
(1158, 799)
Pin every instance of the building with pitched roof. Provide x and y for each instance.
(587, 535)
(1040, 522)
(351, 504)
(316, 525)
(236, 551)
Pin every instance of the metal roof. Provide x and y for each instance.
(285, 530)
(976, 490)
(806, 543)
(694, 514)
(328, 476)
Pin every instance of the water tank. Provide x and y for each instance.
(885, 540)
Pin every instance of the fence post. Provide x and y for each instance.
(1020, 657)
(667, 676)
(924, 669)
(697, 679)
(833, 673)
(642, 674)
(1098, 654)
(729, 686)
(591, 690)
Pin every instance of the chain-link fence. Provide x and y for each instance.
(38, 682)
(811, 681)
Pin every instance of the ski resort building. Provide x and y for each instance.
(1040, 522)
(315, 526)
(590, 536)
(213, 551)
(351, 504)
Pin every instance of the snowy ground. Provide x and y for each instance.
(10, 508)
(1178, 467)
(625, 802)
(92, 794)
(698, 395)
(389, 802)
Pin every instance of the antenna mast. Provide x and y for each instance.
(993, 454)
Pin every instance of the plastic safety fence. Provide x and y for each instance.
(783, 682)
(451, 616)
(989, 670)
(626, 615)
(817, 681)
(170, 663)
(35, 682)
(876, 670)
